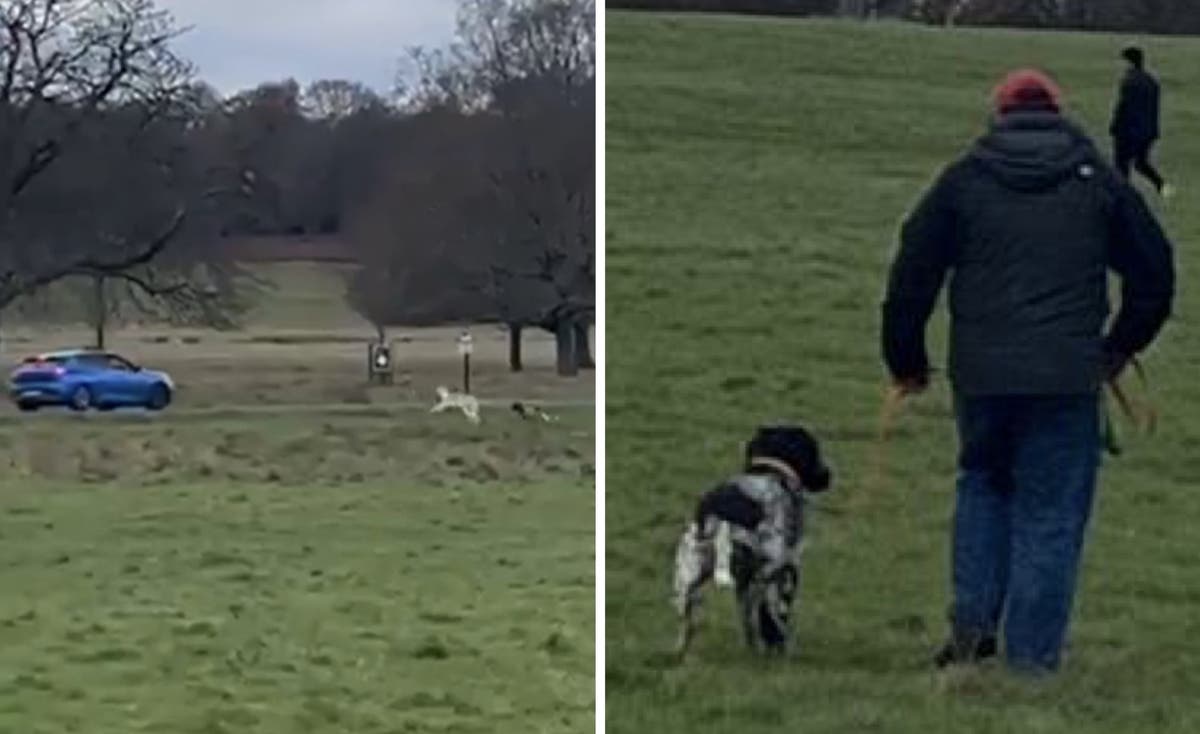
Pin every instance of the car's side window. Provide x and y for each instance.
(90, 362)
(116, 363)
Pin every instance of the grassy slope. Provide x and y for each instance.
(307, 296)
(274, 575)
(756, 173)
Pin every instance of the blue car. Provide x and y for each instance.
(83, 379)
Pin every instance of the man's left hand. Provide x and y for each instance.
(1114, 365)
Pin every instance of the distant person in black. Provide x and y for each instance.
(1134, 125)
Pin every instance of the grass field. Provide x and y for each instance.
(286, 550)
(756, 174)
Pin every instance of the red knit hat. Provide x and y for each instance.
(1027, 90)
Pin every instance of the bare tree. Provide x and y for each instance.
(531, 63)
(1157, 16)
(485, 203)
(499, 41)
(333, 100)
(855, 8)
(543, 181)
(416, 224)
(77, 76)
(502, 40)
(267, 132)
(126, 174)
(372, 292)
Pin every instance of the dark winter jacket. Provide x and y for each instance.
(1028, 224)
(1135, 119)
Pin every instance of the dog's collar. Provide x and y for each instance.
(789, 474)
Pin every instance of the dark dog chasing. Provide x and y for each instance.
(752, 524)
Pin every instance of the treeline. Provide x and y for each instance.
(467, 197)
(1142, 16)
(749, 7)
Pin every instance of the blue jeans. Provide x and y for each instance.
(1027, 476)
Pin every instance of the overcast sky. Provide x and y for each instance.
(239, 43)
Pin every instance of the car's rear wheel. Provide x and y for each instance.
(27, 406)
(81, 398)
(160, 397)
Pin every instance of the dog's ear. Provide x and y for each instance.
(819, 478)
(816, 473)
(764, 442)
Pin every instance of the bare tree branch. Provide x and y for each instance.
(15, 285)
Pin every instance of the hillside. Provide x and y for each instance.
(756, 174)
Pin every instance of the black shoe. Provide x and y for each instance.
(962, 651)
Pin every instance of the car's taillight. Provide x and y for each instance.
(55, 370)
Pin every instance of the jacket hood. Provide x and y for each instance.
(1033, 151)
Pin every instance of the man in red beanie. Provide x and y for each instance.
(1027, 90)
(1027, 225)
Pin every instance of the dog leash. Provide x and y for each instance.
(1142, 415)
(893, 401)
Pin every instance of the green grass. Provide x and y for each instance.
(756, 174)
(287, 549)
(335, 445)
(305, 296)
(296, 573)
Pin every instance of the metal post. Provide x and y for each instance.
(464, 348)
(101, 306)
